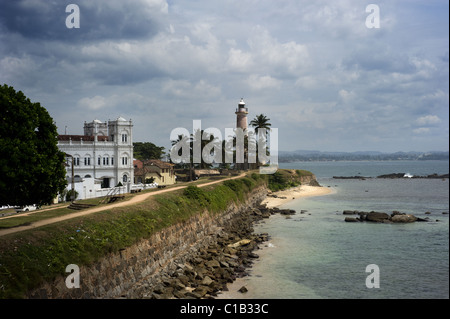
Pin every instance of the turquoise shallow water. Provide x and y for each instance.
(318, 255)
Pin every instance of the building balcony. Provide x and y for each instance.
(242, 110)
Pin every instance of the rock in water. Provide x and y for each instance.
(407, 218)
(243, 289)
(377, 217)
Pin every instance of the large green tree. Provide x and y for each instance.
(31, 165)
(146, 150)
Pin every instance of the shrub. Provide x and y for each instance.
(198, 194)
(69, 194)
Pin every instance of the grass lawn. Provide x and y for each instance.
(51, 211)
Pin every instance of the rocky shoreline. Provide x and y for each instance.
(208, 272)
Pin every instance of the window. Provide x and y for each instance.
(124, 160)
(76, 161)
(87, 161)
(125, 178)
(112, 160)
(105, 160)
(99, 160)
(124, 137)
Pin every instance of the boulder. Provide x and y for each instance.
(287, 212)
(407, 218)
(212, 263)
(252, 255)
(377, 217)
(202, 290)
(362, 216)
(242, 242)
(351, 219)
(243, 289)
(207, 281)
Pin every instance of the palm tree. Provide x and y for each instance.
(185, 139)
(205, 139)
(260, 122)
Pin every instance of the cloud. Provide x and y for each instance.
(346, 95)
(428, 120)
(95, 103)
(312, 67)
(285, 58)
(239, 61)
(99, 20)
(421, 130)
(258, 82)
(185, 89)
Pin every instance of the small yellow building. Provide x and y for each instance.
(161, 172)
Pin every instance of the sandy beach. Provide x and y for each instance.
(294, 193)
(283, 197)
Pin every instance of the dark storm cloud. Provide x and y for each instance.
(99, 20)
(124, 75)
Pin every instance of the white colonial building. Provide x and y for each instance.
(102, 157)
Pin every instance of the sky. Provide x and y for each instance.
(324, 72)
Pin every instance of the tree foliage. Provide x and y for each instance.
(261, 121)
(31, 165)
(146, 150)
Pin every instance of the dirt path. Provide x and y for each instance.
(133, 200)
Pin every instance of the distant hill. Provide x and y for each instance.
(312, 155)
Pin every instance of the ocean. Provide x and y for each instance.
(317, 255)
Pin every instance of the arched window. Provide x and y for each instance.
(125, 178)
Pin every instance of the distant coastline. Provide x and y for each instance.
(395, 175)
(318, 156)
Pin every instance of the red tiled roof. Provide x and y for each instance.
(138, 163)
(158, 163)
